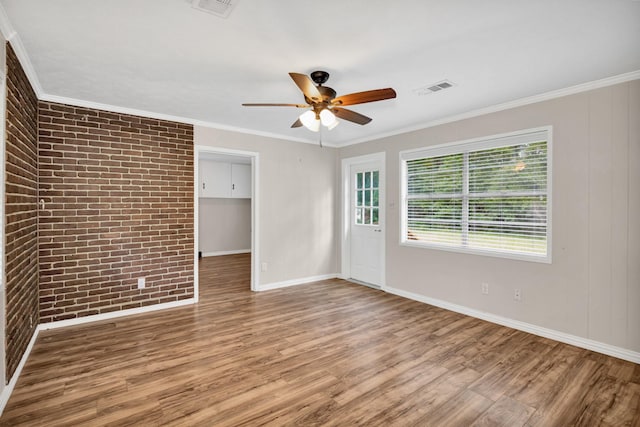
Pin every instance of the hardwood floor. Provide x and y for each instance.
(329, 353)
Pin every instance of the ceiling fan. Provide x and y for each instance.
(325, 106)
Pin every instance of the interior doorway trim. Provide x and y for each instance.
(255, 204)
(345, 233)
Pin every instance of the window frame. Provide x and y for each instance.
(478, 144)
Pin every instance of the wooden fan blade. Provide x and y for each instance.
(352, 116)
(276, 105)
(306, 86)
(296, 124)
(364, 97)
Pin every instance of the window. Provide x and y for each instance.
(490, 196)
(367, 194)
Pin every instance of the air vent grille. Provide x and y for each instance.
(221, 8)
(426, 90)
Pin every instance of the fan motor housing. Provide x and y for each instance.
(328, 94)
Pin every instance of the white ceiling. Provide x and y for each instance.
(164, 57)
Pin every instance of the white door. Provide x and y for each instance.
(366, 223)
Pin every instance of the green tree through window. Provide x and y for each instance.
(488, 199)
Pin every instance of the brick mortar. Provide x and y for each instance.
(119, 193)
(21, 267)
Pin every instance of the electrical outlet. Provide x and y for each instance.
(485, 288)
(263, 267)
(517, 294)
(141, 283)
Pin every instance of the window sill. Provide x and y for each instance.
(544, 259)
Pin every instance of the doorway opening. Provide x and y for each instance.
(363, 220)
(225, 209)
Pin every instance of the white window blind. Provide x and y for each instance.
(488, 196)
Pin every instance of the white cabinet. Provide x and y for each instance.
(225, 180)
(240, 181)
(215, 179)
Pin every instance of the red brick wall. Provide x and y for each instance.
(118, 192)
(21, 215)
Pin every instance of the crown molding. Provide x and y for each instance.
(143, 113)
(10, 35)
(572, 90)
(260, 133)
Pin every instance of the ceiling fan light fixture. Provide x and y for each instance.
(310, 121)
(325, 107)
(327, 118)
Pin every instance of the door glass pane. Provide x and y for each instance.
(367, 198)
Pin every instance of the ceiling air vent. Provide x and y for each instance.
(221, 8)
(426, 90)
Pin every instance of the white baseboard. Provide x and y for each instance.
(294, 282)
(114, 314)
(8, 389)
(563, 337)
(221, 253)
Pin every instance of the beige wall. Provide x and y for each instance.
(592, 287)
(224, 225)
(297, 214)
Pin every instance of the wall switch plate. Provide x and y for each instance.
(485, 289)
(141, 283)
(263, 267)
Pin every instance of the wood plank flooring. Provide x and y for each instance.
(328, 353)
